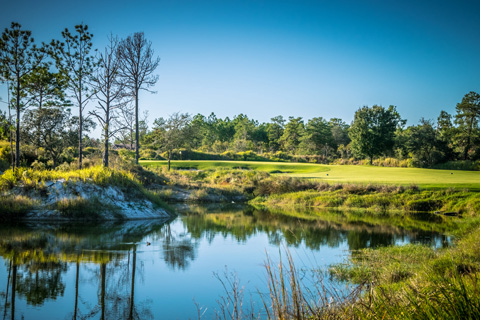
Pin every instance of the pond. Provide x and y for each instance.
(171, 269)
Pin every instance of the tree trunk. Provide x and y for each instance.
(132, 290)
(76, 290)
(8, 285)
(169, 156)
(80, 126)
(17, 134)
(137, 135)
(103, 272)
(14, 284)
(467, 146)
(105, 157)
(10, 125)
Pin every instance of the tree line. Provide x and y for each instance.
(375, 132)
(45, 81)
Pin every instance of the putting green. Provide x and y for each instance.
(426, 178)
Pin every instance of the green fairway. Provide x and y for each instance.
(426, 178)
(272, 167)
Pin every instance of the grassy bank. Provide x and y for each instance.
(406, 282)
(21, 188)
(416, 282)
(375, 198)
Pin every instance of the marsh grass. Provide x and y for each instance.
(85, 209)
(386, 265)
(14, 206)
(291, 296)
(393, 283)
(199, 195)
(417, 282)
(220, 181)
(380, 199)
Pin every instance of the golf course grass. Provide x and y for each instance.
(424, 178)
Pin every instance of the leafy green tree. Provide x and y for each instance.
(45, 88)
(467, 118)
(49, 128)
(318, 136)
(292, 134)
(225, 129)
(244, 128)
(200, 130)
(339, 129)
(74, 61)
(172, 133)
(373, 131)
(137, 64)
(18, 58)
(445, 133)
(259, 136)
(423, 144)
(275, 132)
(4, 126)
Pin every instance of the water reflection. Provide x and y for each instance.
(121, 270)
(329, 229)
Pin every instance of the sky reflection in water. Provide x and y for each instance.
(156, 269)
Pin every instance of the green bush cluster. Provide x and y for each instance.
(379, 162)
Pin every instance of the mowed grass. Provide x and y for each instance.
(425, 178)
(271, 167)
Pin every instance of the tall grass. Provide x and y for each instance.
(85, 209)
(285, 191)
(403, 282)
(99, 175)
(420, 294)
(14, 206)
(289, 297)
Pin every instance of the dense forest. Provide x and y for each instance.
(47, 122)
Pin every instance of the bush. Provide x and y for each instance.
(37, 165)
(81, 208)
(424, 205)
(459, 165)
(14, 207)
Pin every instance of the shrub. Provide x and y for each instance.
(459, 165)
(14, 207)
(81, 208)
(424, 205)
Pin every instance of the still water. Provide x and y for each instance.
(169, 269)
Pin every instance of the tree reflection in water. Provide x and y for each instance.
(314, 229)
(108, 256)
(178, 249)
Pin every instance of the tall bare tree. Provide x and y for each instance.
(109, 92)
(74, 60)
(18, 57)
(126, 123)
(137, 64)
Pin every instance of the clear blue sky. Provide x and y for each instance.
(299, 58)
